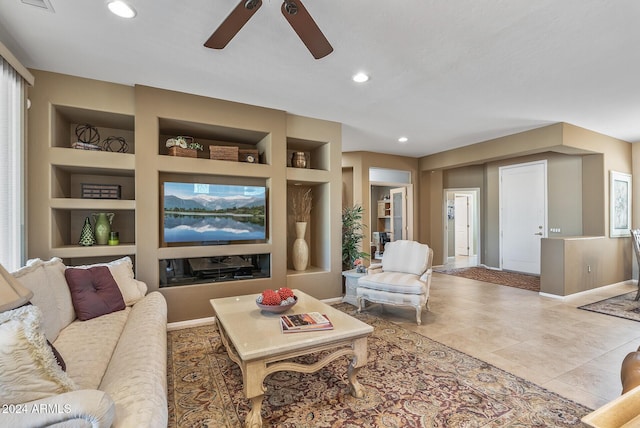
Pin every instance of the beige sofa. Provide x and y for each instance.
(115, 363)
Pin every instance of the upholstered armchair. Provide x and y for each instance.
(402, 279)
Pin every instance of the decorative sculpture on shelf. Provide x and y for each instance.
(87, 238)
(299, 160)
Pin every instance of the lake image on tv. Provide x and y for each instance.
(211, 213)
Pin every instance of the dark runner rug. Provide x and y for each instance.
(501, 277)
(622, 306)
(410, 381)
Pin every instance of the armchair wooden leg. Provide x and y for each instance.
(419, 315)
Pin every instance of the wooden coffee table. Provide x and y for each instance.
(254, 341)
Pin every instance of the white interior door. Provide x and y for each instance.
(523, 215)
(462, 225)
(398, 213)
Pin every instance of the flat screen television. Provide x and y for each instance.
(210, 214)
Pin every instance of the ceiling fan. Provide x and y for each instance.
(294, 12)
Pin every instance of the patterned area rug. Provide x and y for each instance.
(622, 306)
(410, 381)
(501, 277)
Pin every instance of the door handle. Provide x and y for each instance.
(539, 233)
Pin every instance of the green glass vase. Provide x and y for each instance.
(102, 227)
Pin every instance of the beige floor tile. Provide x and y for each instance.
(548, 341)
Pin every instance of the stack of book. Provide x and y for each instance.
(311, 321)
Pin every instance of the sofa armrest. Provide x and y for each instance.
(374, 268)
(81, 408)
(621, 412)
(426, 277)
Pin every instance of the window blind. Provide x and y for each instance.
(12, 183)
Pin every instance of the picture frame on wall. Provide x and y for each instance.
(619, 204)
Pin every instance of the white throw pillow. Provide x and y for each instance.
(122, 271)
(35, 277)
(28, 369)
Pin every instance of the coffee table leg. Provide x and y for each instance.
(254, 418)
(254, 374)
(359, 360)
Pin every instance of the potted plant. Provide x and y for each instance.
(352, 235)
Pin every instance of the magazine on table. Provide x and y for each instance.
(311, 321)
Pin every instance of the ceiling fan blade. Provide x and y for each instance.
(306, 28)
(233, 23)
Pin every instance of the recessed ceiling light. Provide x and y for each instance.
(121, 8)
(360, 77)
(403, 140)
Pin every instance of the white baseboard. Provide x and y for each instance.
(586, 292)
(179, 325)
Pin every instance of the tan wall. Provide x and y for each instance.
(572, 265)
(579, 163)
(359, 163)
(564, 199)
(347, 187)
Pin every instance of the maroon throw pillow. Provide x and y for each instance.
(94, 292)
(58, 357)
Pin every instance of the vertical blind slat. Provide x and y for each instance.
(11, 167)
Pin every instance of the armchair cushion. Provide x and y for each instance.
(406, 256)
(394, 282)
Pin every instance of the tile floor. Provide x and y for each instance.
(548, 341)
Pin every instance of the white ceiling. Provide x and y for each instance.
(444, 73)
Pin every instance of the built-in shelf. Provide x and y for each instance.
(309, 271)
(94, 162)
(146, 117)
(75, 251)
(93, 204)
(213, 269)
(212, 250)
(210, 166)
(316, 153)
(307, 175)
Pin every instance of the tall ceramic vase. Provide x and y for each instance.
(102, 227)
(300, 247)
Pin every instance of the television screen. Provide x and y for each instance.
(213, 213)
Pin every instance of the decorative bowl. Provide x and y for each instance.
(276, 309)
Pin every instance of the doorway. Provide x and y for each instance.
(462, 227)
(523, 215)
(391, 198)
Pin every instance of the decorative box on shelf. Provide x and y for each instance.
(185, 153)
(248, 155)
(100, 191)
(228, 153)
